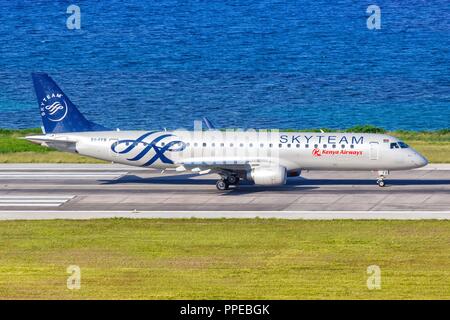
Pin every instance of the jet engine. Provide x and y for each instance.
(268, 175)
(294, 173)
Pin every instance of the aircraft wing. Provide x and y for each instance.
(211, 165)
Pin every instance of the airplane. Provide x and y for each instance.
(264, 157)
(208, 124)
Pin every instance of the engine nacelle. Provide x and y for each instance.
(269, 176)
(294, 173)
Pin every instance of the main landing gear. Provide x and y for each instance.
(224, 183)
(233, 180)
(381, 175)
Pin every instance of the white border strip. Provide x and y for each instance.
(34, 204)
(35, 197)
(290, 215)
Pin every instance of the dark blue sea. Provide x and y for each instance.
(252, 64)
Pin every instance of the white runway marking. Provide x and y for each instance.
(69, 173)
(33, 201)
(67, 167)
(22, 175)
(290, 215)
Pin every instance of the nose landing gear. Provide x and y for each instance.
(381, 182)
(381, 175)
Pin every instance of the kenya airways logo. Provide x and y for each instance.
(319, 153)
(54, 107)
(316, 153)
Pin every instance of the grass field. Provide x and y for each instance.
(45, 157)
(435, 145)
(224, 259)
(16, 150)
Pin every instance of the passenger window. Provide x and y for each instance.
(334, 146)
(222, 144)
(324, 146)
(298, 145)
(352, 146)
(213, 144)
(204, 144)
(306, 146)
(343, 146)
(231, 144)
(280, 145)
(241, 144)
(261, 145)
(270, 145)
(316, 146)
(288, 145)
(195, 144)
(250, 145)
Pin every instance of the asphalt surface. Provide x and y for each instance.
(90, 191)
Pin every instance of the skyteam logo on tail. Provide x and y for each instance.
(54, 107)
(144, 148)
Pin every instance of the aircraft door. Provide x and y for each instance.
(374, 150)
(112, 154)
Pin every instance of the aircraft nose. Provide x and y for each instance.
(420, 160)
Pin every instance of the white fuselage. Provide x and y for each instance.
(206, 149)
(265, 157)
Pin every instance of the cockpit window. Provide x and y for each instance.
(398, 145)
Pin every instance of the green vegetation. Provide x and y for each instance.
(366, 129)
(49, 156)
(224, 259)
(435, 145)
(359, 128)
(10, 142)
(13, 149)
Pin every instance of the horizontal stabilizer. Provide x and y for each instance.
(60, 143)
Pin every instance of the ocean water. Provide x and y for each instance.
(248, 64)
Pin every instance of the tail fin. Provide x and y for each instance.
(58, 113)
(208, 124)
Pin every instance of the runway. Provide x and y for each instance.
(45, 191)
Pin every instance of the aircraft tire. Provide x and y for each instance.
(222, 185)
(233, 180)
